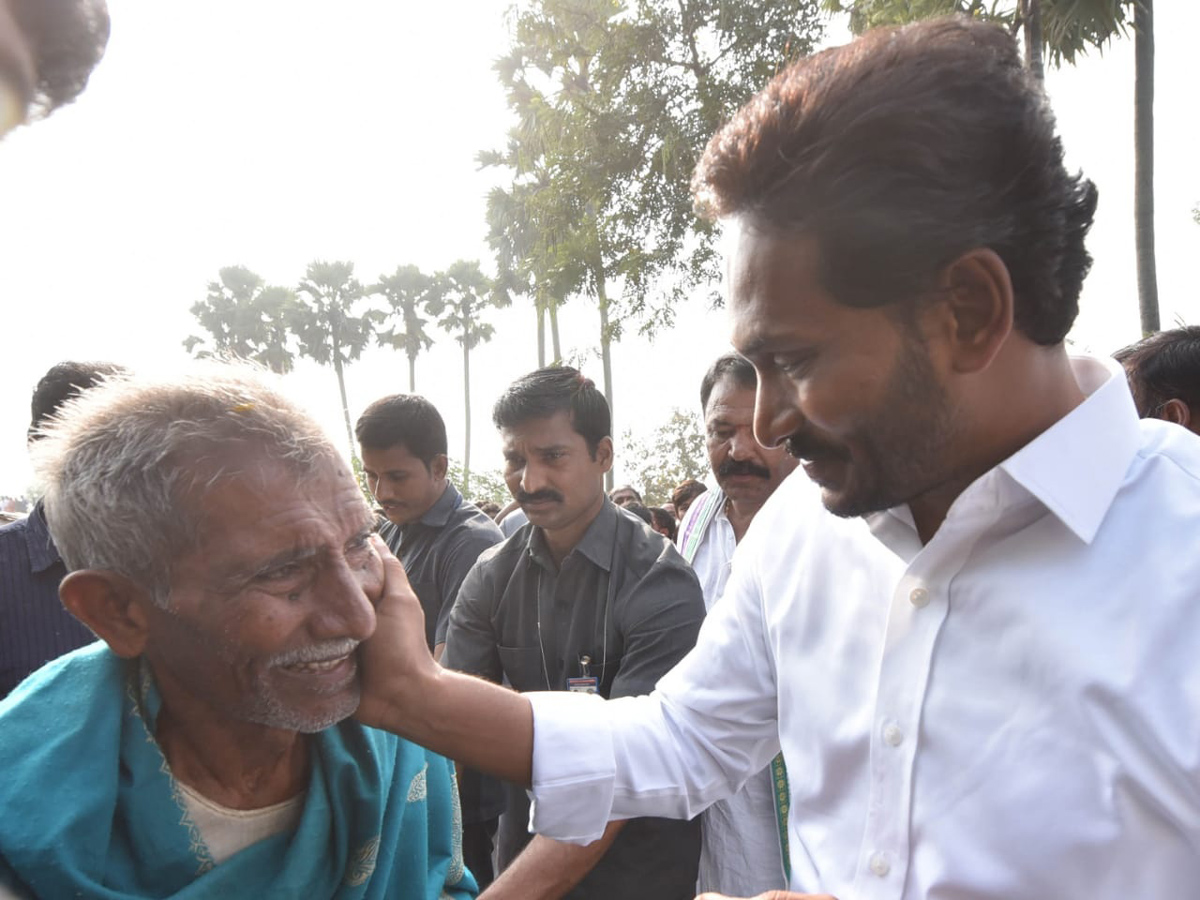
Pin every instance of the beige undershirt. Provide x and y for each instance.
(227, 831)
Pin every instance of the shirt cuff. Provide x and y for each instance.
(573, 766)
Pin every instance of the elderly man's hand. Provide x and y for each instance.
(769, 895)
(395, 661)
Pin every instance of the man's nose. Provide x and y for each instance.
(743, 445)
(776, 414)
(532, 478)
(343, 599)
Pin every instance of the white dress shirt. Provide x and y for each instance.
(1010, 711)
(739, 849)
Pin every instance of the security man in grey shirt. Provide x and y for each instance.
(586, 597)
(438, 536)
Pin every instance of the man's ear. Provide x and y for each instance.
(1175, 410)
(439, 466)
(111, 605)
(604, 453)
(977, 306)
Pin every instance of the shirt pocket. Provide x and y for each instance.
(524, 670)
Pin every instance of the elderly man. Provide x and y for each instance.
(975, 632)
(740, 852)
(221, 549)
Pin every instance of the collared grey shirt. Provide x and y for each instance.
(438, 550)
(623, 608)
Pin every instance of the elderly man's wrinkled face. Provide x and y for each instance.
(266, 612)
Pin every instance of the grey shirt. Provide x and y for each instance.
(623, 608)
(438, 550)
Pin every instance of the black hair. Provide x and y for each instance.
(733, 365)
(640, 511)
(407, 419)
(60, 384)
(665, 521)
(903, 150)
(552, 390)
(66, 39)
(1162, 367)
(686, 492)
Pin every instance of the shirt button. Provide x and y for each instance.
(919, 598)
(879, 865)
(893, 735)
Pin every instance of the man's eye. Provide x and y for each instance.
(793, 366)
(279, 573)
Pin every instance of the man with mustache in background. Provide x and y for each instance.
(584, 598)
(740, 847)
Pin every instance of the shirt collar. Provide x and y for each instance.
(596, 544)
(42, 552)
(439, 514)
(1076, 466)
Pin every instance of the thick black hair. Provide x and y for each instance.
(407, 419)
(552, 390)
(734, 366)
(60, 384)
(1162, 367)
(66, 39)
(901, 151)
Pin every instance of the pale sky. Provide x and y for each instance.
(273, 133)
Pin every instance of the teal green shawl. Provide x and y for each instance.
(89, 807)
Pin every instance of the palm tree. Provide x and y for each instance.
(326, 322)
(245, 318)
(411, 294)
(466, 292)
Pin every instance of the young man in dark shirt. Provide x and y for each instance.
(586, 597)
(438, 536)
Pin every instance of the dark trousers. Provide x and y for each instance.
(478, 841)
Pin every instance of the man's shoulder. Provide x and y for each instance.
(469, 524)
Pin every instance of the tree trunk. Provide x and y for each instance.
(412, 373)
(606, 357)
(1031, 17)
(554, 344)
(540, 305)
(337, 367)
(466, 485)
(1143, 141)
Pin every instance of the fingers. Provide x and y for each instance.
(395, 579)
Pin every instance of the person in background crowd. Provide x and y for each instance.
(489, 508)
(662, 521)
(624, 495)
(584, 599)
(974, 629)
(220, 547)
(683, 496)
(34, 626)
(637, 509)
(740, 854)
(438, 536)
(1164, 374)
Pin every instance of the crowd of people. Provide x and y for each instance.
(933, 632)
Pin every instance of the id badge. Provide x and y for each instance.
(586, 685)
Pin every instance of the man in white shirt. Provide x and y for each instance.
(741, 836)
(984, 670)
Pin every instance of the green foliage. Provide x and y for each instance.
(1069, 28)
(673, 453)
(245, 318)
(613, 102)
(486, 485)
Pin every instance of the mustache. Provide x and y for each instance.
(733, 467)
(325, 650)
(805, 446)
(539, 496)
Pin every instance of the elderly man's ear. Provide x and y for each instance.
(110, 605)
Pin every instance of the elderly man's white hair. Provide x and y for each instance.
(123, 464)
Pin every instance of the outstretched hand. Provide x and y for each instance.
(395, 661)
